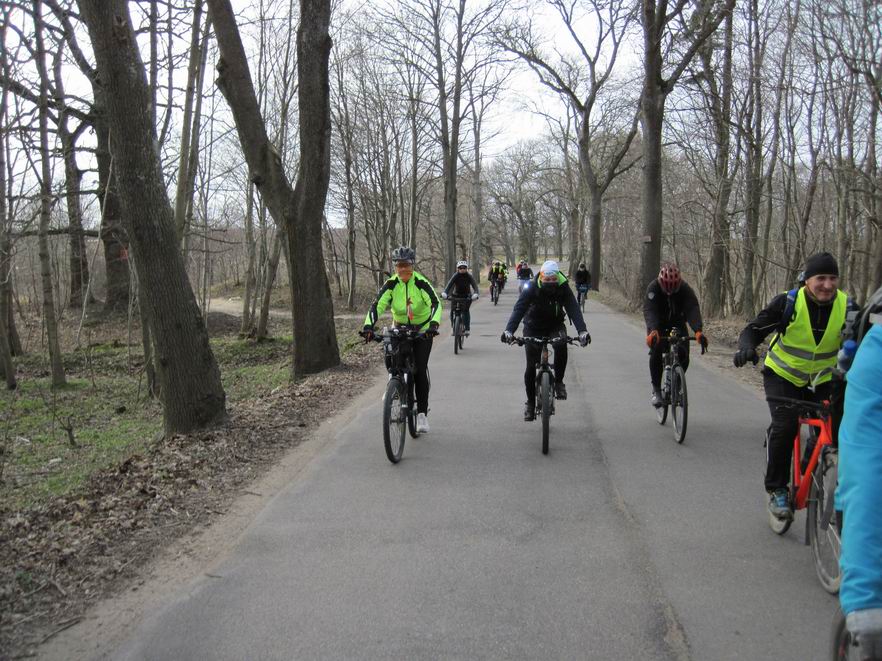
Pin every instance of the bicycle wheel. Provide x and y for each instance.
(546, 399)
(457, 334)
(661, 414)
(679, 403)
(823, 530)
(842, 646)
(393, 420)
(582, 297)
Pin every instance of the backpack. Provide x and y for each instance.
(871, 313)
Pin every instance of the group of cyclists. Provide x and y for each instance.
(808, 324)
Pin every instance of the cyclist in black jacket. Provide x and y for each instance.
(542, 307)
(582, 276)
(670, 303)
(461, 285)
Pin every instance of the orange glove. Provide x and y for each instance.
(652, 339)
(702, 340)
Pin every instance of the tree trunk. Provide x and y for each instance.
(299, 211)
(251, 248)
(187, 372)
(652, 120)
(49, 318)
(271, 270)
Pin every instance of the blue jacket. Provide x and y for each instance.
(859, 494)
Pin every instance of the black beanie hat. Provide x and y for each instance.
(821, 264)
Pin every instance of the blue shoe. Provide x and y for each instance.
(779, 505)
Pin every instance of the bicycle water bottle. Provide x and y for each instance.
(846, 355)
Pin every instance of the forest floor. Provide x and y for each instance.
(90, 490)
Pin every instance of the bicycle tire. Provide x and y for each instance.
(679, 403)
(582, 297)
(457, 334)
(393, 424)
(841, 644)
(826, 544)
(546, 399)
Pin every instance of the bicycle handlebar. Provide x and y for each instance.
(823, 407)
(398, 332)
(521, 341)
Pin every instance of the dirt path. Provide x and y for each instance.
(233, 306)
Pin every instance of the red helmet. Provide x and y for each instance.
(669, 278)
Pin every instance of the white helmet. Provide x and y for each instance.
(462, 264)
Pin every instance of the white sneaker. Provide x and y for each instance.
(422, 423)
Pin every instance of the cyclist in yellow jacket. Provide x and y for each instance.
(413, 302)
(799, 364)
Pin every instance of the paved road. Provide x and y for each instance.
(619, 544)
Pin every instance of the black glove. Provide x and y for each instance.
(744, 355)
(584, 338)
(507, 337)
(433, 329)
(367, 333)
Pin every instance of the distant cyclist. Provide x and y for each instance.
(497, 275)
(413, 302)
(461, 285)
(799, 363)
(525, 274)
(669, 303)
(582, 276)
(860, 497)
(542, 306)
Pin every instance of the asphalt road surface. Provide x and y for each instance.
(620, 544)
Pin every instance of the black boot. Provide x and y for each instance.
(529, 411)
(560, 390)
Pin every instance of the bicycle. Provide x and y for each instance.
(545, 379)
(818, 459)
(459, 303)
(495, 290)
(583, 296)
(523, 283)
(399, 400)
(673, 387)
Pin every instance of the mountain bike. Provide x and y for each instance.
(460, 303)
(583, 296)
(814, 474)
(494, 291)
(673, 386)
(399, 401)
(545, 379)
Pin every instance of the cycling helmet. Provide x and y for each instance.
(582, 265)
(403, 254)
(669, 278)
(462, 264)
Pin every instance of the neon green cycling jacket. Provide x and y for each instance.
(413, 302)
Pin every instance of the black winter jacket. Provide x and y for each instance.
(663, 312)
(461, 284)
(543, 311)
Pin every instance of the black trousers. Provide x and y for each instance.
(534, 356)
(421, 350)
(656, 364)
(785, 422)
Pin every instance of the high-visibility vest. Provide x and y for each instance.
(794, 355)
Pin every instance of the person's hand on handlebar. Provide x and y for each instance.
(507, 337)
(701, 338)
(474, 297)
(367, 333)
(743, 355)
(584, 338)
(433, 329)
(444, 295)
(652, 339)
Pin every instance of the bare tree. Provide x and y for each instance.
(298, 210)
(188, 374)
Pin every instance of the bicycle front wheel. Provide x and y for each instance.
(679, 403)
(546, 399)
(823, 529)
(394, 423)
(457, 334)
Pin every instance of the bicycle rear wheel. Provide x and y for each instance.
(546, 397)
(679, 403)
(394, 420)
(457, 334)
(823, 530)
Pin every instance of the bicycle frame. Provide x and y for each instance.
(801, 479)
(671, 358)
